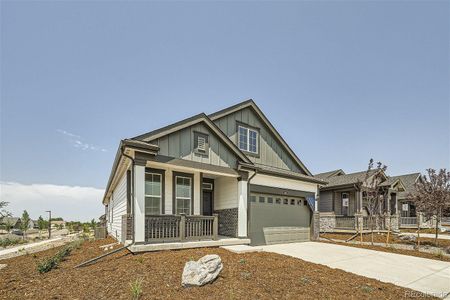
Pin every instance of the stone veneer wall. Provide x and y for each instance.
(228, 221)
(327, 222)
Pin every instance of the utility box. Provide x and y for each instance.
(100, 232)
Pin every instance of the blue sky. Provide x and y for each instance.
(341, 81)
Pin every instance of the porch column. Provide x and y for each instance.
(242, 207)
(139, 204)
(388, 206)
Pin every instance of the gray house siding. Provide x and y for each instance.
(271, 153)
(180, 144)
(326, 201)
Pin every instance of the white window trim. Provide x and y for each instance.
(155, 196)
(248, 139)
(184, 198)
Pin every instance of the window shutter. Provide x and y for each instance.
(201, 144)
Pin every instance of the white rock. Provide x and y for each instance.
(201, 272)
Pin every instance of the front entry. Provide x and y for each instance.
(207, 203)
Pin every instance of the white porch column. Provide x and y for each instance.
(242, 208)
(139, 204)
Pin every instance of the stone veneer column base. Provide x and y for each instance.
(228, 221)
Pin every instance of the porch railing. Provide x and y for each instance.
(408, 221)
(175, 228)
(345, 222)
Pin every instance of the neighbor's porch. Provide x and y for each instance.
(187, 202)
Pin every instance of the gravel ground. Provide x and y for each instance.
(245, 276)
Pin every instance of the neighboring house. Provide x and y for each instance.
(58, 224)
(341, 199)
(228, 174)
(11, 222)
(407, 207)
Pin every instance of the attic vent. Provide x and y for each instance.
(201, 144)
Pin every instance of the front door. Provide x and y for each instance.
(207, 203)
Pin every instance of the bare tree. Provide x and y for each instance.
(3, 211)
(374, 195)
(432, 196)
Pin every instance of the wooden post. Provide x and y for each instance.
(215, 226)
(183, 227)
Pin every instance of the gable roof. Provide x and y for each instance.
(325, 175)
(347, 179)
(250, 103)
(202, 117)
(10, 220)
(408, 181)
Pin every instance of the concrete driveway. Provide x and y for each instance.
(421, 274)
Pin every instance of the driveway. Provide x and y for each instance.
(421, 274)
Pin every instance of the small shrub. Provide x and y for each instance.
(136, 289)
(242, 261)
(140, 259)
(246, 275)
(366, 288)
(50, 263)
(305, 280)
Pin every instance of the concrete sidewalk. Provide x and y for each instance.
(420, 274)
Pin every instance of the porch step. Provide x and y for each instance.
(188, 245)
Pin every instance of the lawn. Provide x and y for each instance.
(250, 275)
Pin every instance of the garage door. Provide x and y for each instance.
(275, 219)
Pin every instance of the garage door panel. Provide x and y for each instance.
(278, 222)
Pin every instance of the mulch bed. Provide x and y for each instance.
(381, 238)
(245, 276)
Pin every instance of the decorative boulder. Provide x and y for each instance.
(201, 272)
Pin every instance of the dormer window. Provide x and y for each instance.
(201, 143)
(248, 139)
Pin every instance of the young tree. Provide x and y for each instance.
(93, 224)
(432, 196)
(374, 198)
(42, 224)
(25, 222)
(3, 211)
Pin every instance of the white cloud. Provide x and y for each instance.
(77, 141)
(68, 202)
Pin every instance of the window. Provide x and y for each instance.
(305, 202)
(261, 199)
(183, 195)
(299, 202)
(153, 193)
(253, 198)
(278, 201)
(248, 139)
(285, 201)
(270, 200)
(207, 186)
(292, 201)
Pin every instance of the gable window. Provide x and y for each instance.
(183, 195)
(201, 145)
(153, 193)
(248, 139)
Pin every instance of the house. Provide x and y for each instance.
(11, 222)
(57, 224)
(228, 176)
(343, 204)
(406, 206)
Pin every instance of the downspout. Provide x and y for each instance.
(132, 189)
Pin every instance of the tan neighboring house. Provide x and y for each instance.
(58, 224)
(227, 177)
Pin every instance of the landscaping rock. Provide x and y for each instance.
(201, 272)
(2, 266)
(408, 237)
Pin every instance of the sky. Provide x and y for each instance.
(342, 81)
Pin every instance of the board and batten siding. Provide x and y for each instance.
(326, 201)
(118, 205)
(271, 152)
(180, 144)
(225, 193)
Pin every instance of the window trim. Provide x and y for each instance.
(174, 189)
(163, 186)
(248, 128)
